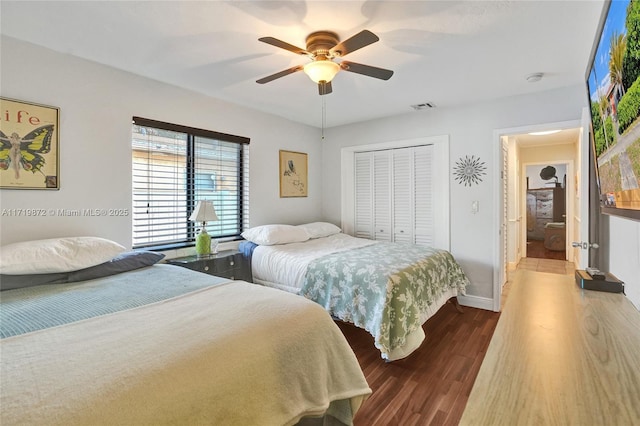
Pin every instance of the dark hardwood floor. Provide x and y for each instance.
(432, 385)
(536, 249)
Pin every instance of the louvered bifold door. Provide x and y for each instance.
(423, 195)
(363, 195)
(382, 186)
(403, 191)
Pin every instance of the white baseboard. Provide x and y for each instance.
(476, 302)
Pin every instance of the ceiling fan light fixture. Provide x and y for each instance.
(321, 70)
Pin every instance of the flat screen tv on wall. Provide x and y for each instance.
(613, 84)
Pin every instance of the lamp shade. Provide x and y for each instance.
(204, 212)
(321, 70)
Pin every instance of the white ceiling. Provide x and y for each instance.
(448, 53)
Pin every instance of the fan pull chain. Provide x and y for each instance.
(324, 116)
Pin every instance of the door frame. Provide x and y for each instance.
(499, 277)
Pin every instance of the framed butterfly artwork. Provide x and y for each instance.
(29, 145)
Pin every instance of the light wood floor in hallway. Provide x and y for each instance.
(432, 386)
(552, 266)
(560, 355)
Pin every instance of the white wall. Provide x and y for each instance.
(624, 254)
(471, 133)
(547, 155)
(96, 106)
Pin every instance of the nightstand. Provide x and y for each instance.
(230, 264)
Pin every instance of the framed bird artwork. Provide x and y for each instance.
(293, 174)
(29, 145)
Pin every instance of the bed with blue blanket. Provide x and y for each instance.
(133, 341)
(389, 289)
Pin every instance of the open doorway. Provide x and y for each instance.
(536, 146)
(548, 192)
(546, 210)
(514, 149)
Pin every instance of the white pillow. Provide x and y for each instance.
(56, 255)
(320, 229)
(268, 235)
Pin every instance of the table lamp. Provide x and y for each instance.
(204, 212)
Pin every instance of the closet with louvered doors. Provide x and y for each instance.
(394, 194)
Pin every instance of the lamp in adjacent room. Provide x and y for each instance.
(549, 172)
(204, 212)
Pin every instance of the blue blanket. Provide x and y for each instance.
(35, 308)
(247, 248)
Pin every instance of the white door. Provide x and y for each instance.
(423, 195)
(403, 189)
(382, 187)
(505, 211)
(367, 173)
(580, 255)
(363, 195)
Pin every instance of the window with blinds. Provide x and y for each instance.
(174, 167)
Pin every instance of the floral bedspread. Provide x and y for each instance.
(384, 288)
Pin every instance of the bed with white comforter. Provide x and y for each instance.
(285, 266)
(166, 345)
(389, 289)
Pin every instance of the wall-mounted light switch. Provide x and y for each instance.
(475, 207)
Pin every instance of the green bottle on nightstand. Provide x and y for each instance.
(204, 212)
(203, 243)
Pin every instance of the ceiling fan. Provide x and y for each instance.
(322, 48)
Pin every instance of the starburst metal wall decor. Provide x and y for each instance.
(469, 170)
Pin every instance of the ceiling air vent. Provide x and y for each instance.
(425, 105)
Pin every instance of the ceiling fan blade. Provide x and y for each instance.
(324, 88)
(279, 74)
(368, 70)
(358, 41)
(284, 45)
